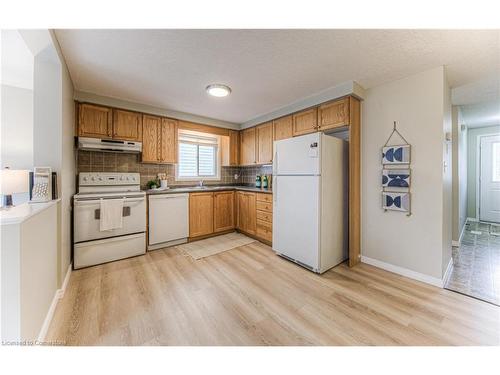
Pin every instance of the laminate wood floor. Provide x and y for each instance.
(250, 296)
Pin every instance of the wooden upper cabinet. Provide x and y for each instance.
(127, 125)
(94, 121)
(201, 214)
(333, 114)
(234, 147)
(264, 141)
(230, 148)
(283, 128)
(168, 145)
(151, 138)
(247, 147)
(305, 122)
(223, 211)
(247, 212)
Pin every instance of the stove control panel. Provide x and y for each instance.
(108, 179)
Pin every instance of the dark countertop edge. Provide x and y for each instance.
(208, 189)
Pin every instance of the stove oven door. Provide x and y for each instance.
(87, 216)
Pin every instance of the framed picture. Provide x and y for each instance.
(396, 154)
(399, 178)
(396, 201)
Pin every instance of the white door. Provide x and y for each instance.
(296, 218)
(297, 156)
(489, 200)
(168, 217)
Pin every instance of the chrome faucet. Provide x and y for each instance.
(200, 184)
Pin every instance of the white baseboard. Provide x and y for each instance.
(448, 271)
(65, 282)
(50, 314)
(403, 271)
(457, 243)
(462, 232)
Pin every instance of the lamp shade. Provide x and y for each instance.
(13, 181)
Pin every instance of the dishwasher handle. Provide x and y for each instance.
(167, 196)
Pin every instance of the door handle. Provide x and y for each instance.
(275, 162)
(275, 189)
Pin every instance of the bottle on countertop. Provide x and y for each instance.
(257, 181)
(264, 182)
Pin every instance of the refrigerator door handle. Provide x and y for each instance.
(275, 164)
(275, 189)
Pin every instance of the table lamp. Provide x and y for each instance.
(11, 182)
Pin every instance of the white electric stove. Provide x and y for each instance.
(92, 246)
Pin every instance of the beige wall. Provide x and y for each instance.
(68, 167)
(459, 173)
(17, 127)
(53, 131)
(447, 217)
(415, 243)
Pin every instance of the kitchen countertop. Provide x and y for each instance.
(194, 189)
(22, 212)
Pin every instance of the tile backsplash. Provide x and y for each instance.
(247, 174)
(97, 161)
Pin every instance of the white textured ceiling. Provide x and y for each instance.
(266, 69)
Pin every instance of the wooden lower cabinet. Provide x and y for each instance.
(216, 212)
(246, 208)
(223, 211)
(201, 214)
(264, 230)
(264, 215)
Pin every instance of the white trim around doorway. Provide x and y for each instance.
(478, 170)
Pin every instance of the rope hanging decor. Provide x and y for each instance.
(395, 130)
(396, 175)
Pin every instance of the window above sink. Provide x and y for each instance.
(199, 156)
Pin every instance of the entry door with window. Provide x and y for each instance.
(489, 200)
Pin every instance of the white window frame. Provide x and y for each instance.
(217, 156)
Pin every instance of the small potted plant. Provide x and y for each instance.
(152, 184)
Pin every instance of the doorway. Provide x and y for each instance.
(489, 179)
(476, 211)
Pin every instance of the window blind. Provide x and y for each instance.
(197, 155)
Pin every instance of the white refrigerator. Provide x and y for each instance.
(310, 207)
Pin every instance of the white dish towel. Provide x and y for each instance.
(111, 214)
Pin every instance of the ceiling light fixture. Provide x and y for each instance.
(218, 90)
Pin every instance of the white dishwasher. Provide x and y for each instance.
(168, 220)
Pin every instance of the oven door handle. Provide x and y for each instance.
(90, 201)
(125, 212)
